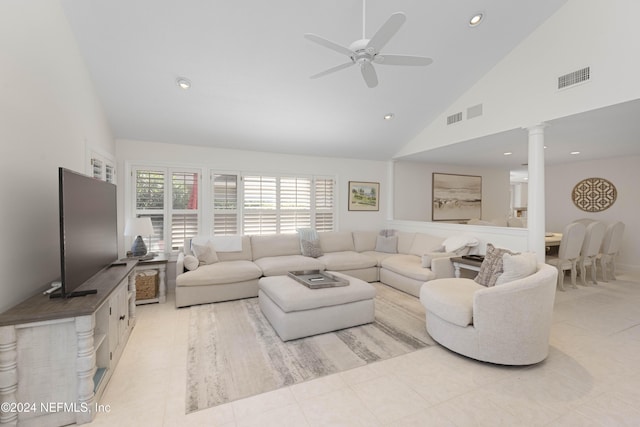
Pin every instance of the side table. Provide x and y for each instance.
(467, 264)
(159, 263)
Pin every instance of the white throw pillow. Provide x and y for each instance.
(517, 267)
(454, 243)
(387, 244)
(206, 253)
(191, 262)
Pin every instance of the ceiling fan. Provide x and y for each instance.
(365, 52)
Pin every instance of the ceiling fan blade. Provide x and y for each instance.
(402, 60)
(332, 70)
(328, 43)
(369, 74)
(388, 29)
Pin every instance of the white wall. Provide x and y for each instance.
(49, 114)
(345, 170)
(624, 173)
(522, 89)
(413, 187)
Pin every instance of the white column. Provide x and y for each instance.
(390, 189)
(535, 205)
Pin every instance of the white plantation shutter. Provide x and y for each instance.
(295, 204)
(324, 206)
(150, 188)
(224, 194)
(260, 205)
(184, 212)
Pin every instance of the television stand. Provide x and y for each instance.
(74, 294)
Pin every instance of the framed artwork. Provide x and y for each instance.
(364, 196)
(456, 197)
(594, 194)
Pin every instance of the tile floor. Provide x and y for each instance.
(591, 378)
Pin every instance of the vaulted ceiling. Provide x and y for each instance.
(249, 67)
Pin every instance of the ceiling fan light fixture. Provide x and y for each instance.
(183, 83)
(476, 19)
(389, 116)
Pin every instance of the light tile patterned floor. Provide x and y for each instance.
(591, 378)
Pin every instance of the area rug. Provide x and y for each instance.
(235, 353)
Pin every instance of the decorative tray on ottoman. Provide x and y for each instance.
(316, 279)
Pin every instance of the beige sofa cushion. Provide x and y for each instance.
(291, 296)
(405, 240)
(220, 273)
(408, 266)
(281, 265)
(244, 254)
(378, 256)
(336, 241)
(275, 245)
(364, 240)
(425, 243)
(347, 260)
(450, 299)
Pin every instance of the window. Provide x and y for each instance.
(225, 204)
(324, 204)
(102, 168)
(170, 198)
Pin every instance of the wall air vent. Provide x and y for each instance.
(454, 118)
(474, 111)
(574, 78)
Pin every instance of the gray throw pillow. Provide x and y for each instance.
(311, 248)
(491, 267)
(387, 244)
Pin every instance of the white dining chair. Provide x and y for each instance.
(568, 252)
(610, 248)
(594, 234)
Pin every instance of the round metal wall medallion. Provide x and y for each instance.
(594, 194)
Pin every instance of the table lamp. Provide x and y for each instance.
(139, 227)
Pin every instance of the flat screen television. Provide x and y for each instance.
(88, 229)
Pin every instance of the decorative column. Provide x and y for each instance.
(536, 205)
(390, 189)
(8, 372)
(85, 368)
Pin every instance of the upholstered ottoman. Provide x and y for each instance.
(295, 311)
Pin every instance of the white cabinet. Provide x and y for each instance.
(56, 356)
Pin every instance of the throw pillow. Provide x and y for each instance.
(387, 244)
(206, 253)
(491, 267)
(191, 262)
(517, 267)
(308, 234)
(387, 232)
(311, 248)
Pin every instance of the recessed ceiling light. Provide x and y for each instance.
(574, 152)
(389, 116)
(183, 83)
(507, 153)
(476, 19)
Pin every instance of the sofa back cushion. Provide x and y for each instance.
(364, 240)
(425, 243)
(336, 241)
(243, 255)
(405, 240)
(275, 245)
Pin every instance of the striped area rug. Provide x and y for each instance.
(235, 353)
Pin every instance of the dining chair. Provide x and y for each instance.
(568, 252)
(610, 248)
(594, 234)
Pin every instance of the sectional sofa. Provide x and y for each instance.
(411, 260)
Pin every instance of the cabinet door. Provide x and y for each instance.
(123, 312)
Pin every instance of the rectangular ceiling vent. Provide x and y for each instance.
(574, 78)
(454, 118)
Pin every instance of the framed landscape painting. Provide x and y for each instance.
(456, 197)
(364, 196)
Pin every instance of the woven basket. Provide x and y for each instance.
(146, 285)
